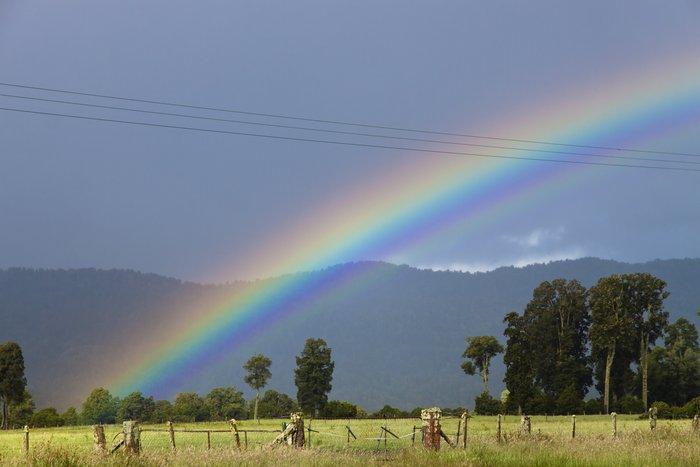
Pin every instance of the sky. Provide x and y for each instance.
(214, 206)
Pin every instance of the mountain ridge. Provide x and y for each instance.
(393, 341)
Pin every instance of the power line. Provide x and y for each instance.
(345, 143)
(354, 124)
(351, 133)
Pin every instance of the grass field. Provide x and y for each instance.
(550, 443)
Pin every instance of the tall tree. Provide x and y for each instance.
(648, 297)
(546, 353)
(612, 324)
(519, 375)
(557, 319)
(12, 379)
(313, 376)
(258, 368)
(480, 350)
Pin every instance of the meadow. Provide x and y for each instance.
(550, 443)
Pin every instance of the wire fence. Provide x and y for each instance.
(390, 434)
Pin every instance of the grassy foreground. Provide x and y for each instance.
(673, 443)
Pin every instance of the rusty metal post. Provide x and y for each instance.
(498, 429)
(573, 426)
(430, 427)
(98, 434)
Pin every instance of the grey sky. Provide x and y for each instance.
(90, 194)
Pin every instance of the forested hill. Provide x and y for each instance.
(397, 340)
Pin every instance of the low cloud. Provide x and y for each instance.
(536, 238)
(519, 262)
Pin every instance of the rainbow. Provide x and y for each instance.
(415, 202)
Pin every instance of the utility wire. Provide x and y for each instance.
(345, 143)
(352, 133)
(354, 124)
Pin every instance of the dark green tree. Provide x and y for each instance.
(162, 412)
(276, 404)
(136, 407)
(258, 368)
(225, 403)
(70, 417)
(480, 350)
(519, 377)
(613, 327)
(12, 379)
(189, 407)
(340, 409)
(21, 414)
(648, 297)
(485, 404)
(313, 376)
(674, 370)
(100, 407)
(547, 347)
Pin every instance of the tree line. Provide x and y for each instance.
(313, 377)
(569, 339)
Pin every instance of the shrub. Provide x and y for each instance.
(630, 405)
(484, 404)
(593, 406)
(46, 418)
(340, 409)
(569, 402)
(664, 410)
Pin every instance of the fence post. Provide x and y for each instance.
(298, 435)
(208, 439)
(614, 424)
(465, 416)
(132, 438)
(430, 427)
(234, 432)
(573, 426)
(696, 423)
(171, 434)
(308, 441)
(98, 434)
(413, 436)
(525, 425)
(498, 429)
(653, 413)
(26, 440)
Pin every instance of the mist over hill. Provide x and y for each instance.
(395, 340)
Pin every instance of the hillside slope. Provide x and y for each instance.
(396, 340)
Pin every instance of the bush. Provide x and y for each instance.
(388, 412)
(629, 405)
(593, 406)
(691, 409)
(484, 404)
(44, 418)
(340, 409)
(664, 410)
(569, 402)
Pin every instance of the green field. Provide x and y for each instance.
(550, 443)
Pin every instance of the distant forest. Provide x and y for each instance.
(398, 341)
